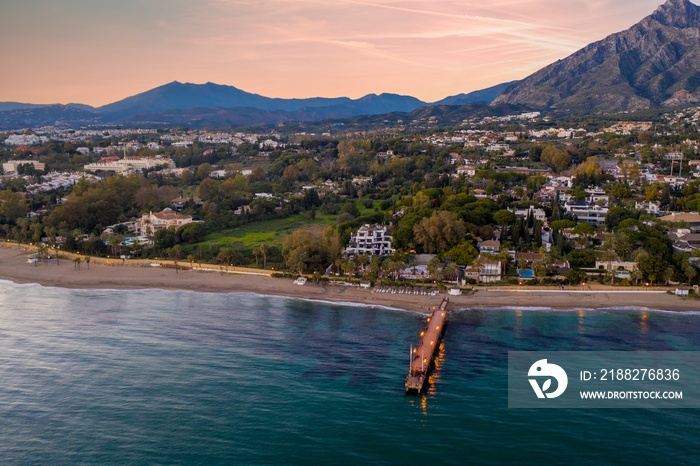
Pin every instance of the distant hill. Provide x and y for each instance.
(7, 106)
(48, 115)
(484, 95)
(655, 62)
(179, 96)
(215, 105)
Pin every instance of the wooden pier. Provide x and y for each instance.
(422, 355)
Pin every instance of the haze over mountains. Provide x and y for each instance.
(654, 63)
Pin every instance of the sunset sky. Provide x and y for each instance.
(99, 51)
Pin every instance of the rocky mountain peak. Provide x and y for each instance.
(653, 63)
(678, 13)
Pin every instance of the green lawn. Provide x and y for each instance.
(273, 232)
(270, 232)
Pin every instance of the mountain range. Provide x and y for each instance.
(654, 63)
(215, 105)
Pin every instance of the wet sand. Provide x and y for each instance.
(14, 267)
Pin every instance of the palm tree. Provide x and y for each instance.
(263, 251)
(452, 271)
(394, 267)
(256, 253)
(609, 255)
(668, 275)
(347, 266)
(40, 252)
(434, 269)
(362, 260)
(636, 275)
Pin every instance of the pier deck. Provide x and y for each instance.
(422, 355)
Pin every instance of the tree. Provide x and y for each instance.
(332, 246)
(562, 224)
(463, 254)
(192, 232)
(209, 189)
(434, 269)
(620, 192)
(584, 229)
(555, 158)
(291, 173)
(394, 267)
(504, 218)
(636, 275)
(452, 271)
(689, 271)
(176, 252)
(13, 206)
(302, 251)
(165, 238)
(651, 266)
(204, 170)
(263, 251)
(618, 242)
(441, 230)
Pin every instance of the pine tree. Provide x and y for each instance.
(556, 208)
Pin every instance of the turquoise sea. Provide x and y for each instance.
(152, 376)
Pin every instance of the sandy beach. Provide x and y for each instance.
(14, 267)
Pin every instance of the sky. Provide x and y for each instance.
(99, 51)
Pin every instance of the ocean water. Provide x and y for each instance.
(168, 377)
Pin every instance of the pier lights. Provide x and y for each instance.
(422, 333)
(432, 343)
(428, 319)
(437, 328)
(415, 350)
(443, 314)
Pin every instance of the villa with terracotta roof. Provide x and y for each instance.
(691, 218)
(151, 222)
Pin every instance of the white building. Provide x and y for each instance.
(593, 214)
(372, 240)
(151, 222)
(490, 271)
(131, 164)
(55, 180)
(538, 214)
(12, 165)
(25, 139)
(649, 207)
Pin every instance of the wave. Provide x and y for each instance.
(322, 301)
(636, 309)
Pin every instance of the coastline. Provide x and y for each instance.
(14, 267)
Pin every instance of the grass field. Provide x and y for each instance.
(269, 232)
(273, 232)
